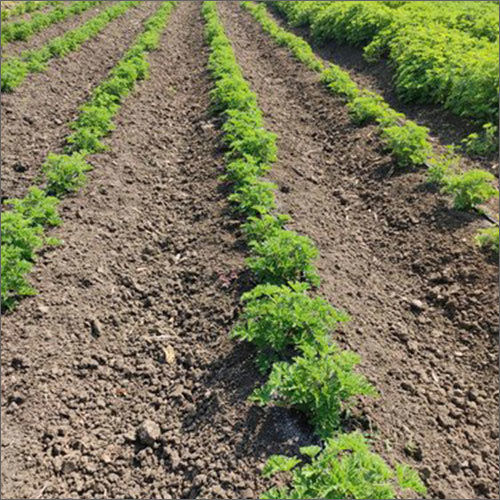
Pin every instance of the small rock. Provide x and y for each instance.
(417, 305)
(174, 458)
(169, 355)
(95, 327)
(148, 432)
(247, 494)
(454, 466)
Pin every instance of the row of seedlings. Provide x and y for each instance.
(25, 7)
(14, 70)
(25, 29)
(290, 329)
(24, 225)
(408, 142)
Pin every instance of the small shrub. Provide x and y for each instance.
(408, 143)
(440, 166)
(13, 272)
(488, 238)
(285, 256)
(276, 317)
(65, 173)
(339, 82)
(240, 171)
(482, 144)
(320, 382)
(367, 107)
(470, 189)
(344, 469)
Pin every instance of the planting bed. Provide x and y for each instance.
(120, 379)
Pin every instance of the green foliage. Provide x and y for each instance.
(319, 382)
(254, 197)
(367, 107)
(488, 238)
(445, 53)
(344, 469)
(245, 135)
(24, 29)
(278, 317)
(25, 7)
(65, 173)
(471, 188)
(36, 207)
(265, 226)
(484, 143)
(339, 82)
(13, 274)
(408, 143)
(15, 69)
(286, 256)
(242, 170)
(442, 165)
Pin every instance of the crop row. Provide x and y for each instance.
(25, 7)
(408, 142)
(291, 330)
(434, 57)
(24, 226)
(14, 70)
(23, 30)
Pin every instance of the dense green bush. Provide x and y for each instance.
(470, 189)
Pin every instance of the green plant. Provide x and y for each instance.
(241, 170)
(276, 317)
(285, 256)
(254, 197)
(65, 173)
(439, 166)
(471, 188)
(13, 274)
(367, 107)
(408, 143)
(339, 82)
(36, 207)
(488, 238)
(484, 143)
(20, 233)
(319, 382)
(265, 226)
(344, 469)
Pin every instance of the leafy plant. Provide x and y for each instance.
(482, 144)
(469, 189)
(265, 226)
(345, 469)
(320, 382)
(367, 107)
(488, 238)
(408, 143)
(242, 170)
(254, 197)
(276, 317)
(440, 166)
(285, 256)
(13, 273)
(65, 173)
(339, 82)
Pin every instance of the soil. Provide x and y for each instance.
(423, 299)
(445, 127)
(38, 40)
(119, 379)
(37, 114)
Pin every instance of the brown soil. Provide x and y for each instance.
(150, 258)
(423, 299)
(39, 39)
(445, 127)
(132, 319)
(37, 114)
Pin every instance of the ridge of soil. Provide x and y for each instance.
(445, 127)
(132, 320)
(37, 114)
(15, 48)
(423, 299)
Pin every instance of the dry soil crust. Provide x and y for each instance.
(133, 314)
(423, 299)
(35, 117)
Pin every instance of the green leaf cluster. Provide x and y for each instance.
(15, 69)
(344, 469)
